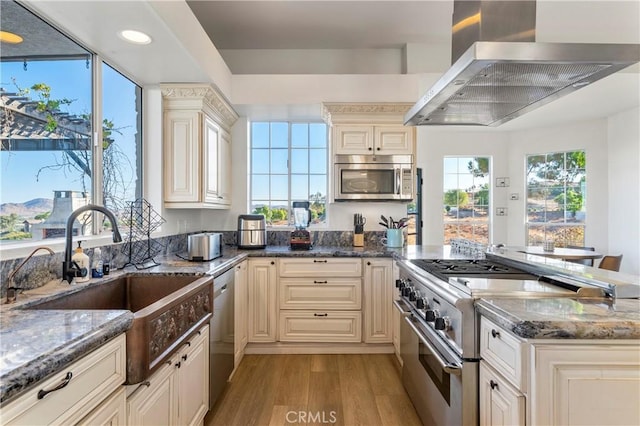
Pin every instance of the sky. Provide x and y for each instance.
(71, 80)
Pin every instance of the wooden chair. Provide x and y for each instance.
(588, 262)
(611, 263)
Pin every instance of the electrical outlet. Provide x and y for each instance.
(502, 182)
(501, 211)
(514, 196)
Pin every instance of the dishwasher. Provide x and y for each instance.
(221, 347)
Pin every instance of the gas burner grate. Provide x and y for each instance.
(451, 267)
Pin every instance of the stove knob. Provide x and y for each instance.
(431, 314)
(406, 291)
(442, 323)
(399, 283)
(421, 303)
(413, 295)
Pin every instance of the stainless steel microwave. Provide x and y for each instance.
(373, 178)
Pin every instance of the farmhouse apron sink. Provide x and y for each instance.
(167, 310)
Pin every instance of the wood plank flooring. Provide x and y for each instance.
(315, 390)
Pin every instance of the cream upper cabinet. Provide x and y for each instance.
(378, 295)
(197, 152)
(368, 140)
(262, 295)
(87, 389)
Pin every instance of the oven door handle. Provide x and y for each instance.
(400, 309)
(450, 368)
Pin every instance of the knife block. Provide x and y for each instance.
(358, 236)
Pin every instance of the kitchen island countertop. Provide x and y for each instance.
(565, 318)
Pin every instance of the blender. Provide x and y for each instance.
(301, 237)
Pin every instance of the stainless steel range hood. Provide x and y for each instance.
(493, 82)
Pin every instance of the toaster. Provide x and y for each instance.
(205, 246)
(252, 231)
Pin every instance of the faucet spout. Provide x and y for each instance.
(69, 271)
(12, 292)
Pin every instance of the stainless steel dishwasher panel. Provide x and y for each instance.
(221, 335)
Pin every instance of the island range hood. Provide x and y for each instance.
(499, 72)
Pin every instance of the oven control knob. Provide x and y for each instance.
(406, 290)
(421, 303)
(413, 295)
(399, 283)
(431, 314)
(442, 323)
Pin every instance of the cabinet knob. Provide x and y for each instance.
(378, 148)
(370, 148)
(493, 384)
(495, 333)
(273, 263)
(368, 263)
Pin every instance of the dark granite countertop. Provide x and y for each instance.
(566, 318)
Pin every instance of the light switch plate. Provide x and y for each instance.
(502, 182)
(501, 211)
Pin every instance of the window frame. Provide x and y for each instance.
(20, 247)
(290, 123)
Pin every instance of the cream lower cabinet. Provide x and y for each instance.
(320, 299)
(396, 317)
(240, 311)
(177, 393)
(92, 381)
(378, 301)
(557, 382)
(262, 295)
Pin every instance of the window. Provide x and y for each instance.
(556, 197)
(288, 163)
(50, 164)
(466, 198)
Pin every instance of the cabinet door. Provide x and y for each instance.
(224, 168)
(500, 403)
(378, 286)
(263, 300)
(182, 156)
(393, 140)
(210, 147)
(240, 312)
(155, 404)
(112, 412)
(586, 384)
(353, 139)
(192, 379)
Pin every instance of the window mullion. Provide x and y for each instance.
(96, 138)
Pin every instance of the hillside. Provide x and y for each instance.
(28, 209)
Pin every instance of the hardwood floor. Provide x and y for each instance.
(314, 390)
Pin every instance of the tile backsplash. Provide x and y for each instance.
(41, 269)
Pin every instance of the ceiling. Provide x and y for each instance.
(323, 24)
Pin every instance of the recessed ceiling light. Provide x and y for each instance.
(11, 38)
(134, 36)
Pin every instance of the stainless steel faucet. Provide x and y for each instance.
(70, 270)
(12, 291)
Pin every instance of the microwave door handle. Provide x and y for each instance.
(398, 174)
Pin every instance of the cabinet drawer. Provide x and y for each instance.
(325, 293)
(317, 326)
(503, 351)
(93, 377)
(317, 267)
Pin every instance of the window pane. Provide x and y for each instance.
(121, 140)
(299, 135)
(279, 161)
(318, 135)
(260, 160)
(299, 161)
(318, 161)
(260, 187)
(279, 135)
(260, 135)
(46, 157)
(279, 187)
(299, 187)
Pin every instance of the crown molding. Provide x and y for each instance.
(212, 100)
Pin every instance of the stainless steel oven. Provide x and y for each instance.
(373, 178)
(441, 385)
